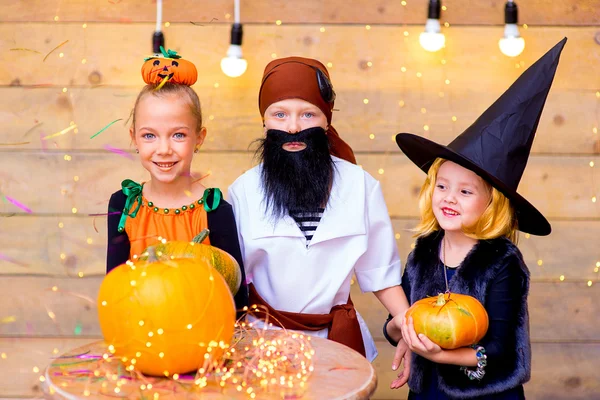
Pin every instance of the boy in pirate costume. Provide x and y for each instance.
(470, 214)
(308, 218)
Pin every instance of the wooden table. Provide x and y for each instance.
(339, 373)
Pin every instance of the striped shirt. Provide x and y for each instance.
(307, 222)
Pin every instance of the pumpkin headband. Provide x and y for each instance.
(169, 68)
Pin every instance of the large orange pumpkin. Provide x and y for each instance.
(163, 317)
(171, 67)
(451, 320)
(223, 262)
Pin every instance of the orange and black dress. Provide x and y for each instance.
(134, 223)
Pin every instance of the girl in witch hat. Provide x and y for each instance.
(470, 214)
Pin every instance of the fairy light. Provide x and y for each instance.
(366, 101)
(589, 283)
(322, 29)
(380, 171)
(329, 65)
(368, 27)
(61, 225)
(562, 278)
(278, 22)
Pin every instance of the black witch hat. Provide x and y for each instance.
(497, 145)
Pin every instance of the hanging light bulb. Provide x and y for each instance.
(432, 39)
(234, 64)
(512, 44)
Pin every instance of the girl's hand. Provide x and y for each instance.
(420, 343)
(402, 352)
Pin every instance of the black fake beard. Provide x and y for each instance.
(295, 181)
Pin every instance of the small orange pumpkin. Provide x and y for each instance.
(171, 67)
(166, 316)
(450, 320)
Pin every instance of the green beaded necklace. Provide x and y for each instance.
(133, 191)
(182, 208)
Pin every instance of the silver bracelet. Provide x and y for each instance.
(479, 372)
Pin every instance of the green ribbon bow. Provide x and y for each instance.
(166, 53)
(133, 191)
(216, 199)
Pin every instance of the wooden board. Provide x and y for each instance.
(29, 301)
(44, 181)
(37, 245)
(233, 122)
(553, 375)
(114, 55)
(538, 12)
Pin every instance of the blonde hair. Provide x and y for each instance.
(497, 220)
(171, 89)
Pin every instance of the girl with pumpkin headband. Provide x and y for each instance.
(470, 213)
(167, 131)
(309, 218)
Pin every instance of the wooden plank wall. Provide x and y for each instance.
(93, 79)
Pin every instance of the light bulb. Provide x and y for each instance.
(432, 39)
(233, 65)
(512, 44)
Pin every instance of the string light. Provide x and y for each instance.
(234, 64)
(432, 39)
(512, 44)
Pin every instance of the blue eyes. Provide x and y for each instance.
(177, 136)
(282, 115)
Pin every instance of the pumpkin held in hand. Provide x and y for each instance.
(450, 320)
(171, 67)
(223, 262)
(165, 316)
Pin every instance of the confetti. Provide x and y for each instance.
(24, 49)
(165, 79)
(51, 51)
(16, 203)
(78, 295)
(198, 24)
(120, 152)
(14, 144)
(12, 260)
(105, 128)
(32, 129)
(70, 128)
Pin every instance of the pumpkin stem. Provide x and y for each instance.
(441, 301)
(199, 238)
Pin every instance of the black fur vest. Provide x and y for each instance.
(424, 276)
